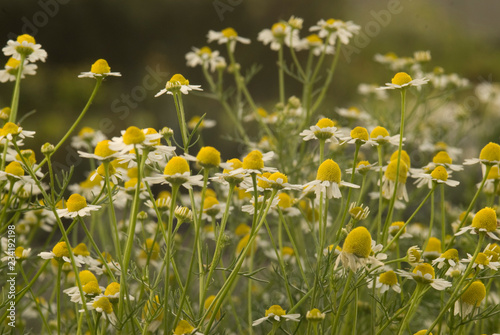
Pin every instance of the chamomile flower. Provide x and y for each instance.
(228, 35)
(205, 123)
(389, 180)
(19, 253)
(314, 43)
(485, 221)
(403, 80)
(254, 161)
(362, 167)
(82, 254)
(14, 172)
(133, 138)
(208, 158)
(212, 209)
(385, 281)
(333, 28)
(491, 184)
(87, 138)
(102, 152)
(432, 249)
(359, 250)
(276, 314)
(177, 172)
(381, 136)
(232, 174)
(178, 84)
(324, 130)
(12, 131)
(489, 155)
(448, 258)
(471, 299)
(424, 274)
(354, 113)
(26, 46)
(185, 328)
(60, 253)
(395, 227)
(285, 203)
(482, 261)
(204, 57)
(100, 69)
(371, 90)
(439, 175)
(115, 175)
(9, 73)
(76, 205)
(328, 180)
(315, 315)
(250, 209)
(103, 305)
(359, 136)
(358, 213)
(277, 181)
(414, 255)
(279, 34)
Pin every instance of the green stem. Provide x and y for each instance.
(58, 296)
(112, 214)
(281, 74)
(340, 309)
(17, 90)
(443, 216)
(380, 195)
(329, 78)
(182, 119)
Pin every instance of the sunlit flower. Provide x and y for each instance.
(359, 250)
(448, 258)
(323, 130)
(178, 84)
(176, 172)
(470, 300)
(208, 158)
(135, 137)
(439, 175)
(328, 180)
(100, 69)
(25, 45)
(11, 130)
(359, 135)
(233, 173)
(381, 136)
(103, 305)
(204, 57)
(276, 314)
(76, 205)
(60, 253)
(424, 274)
(402, 80)
(12, 67)
(489, 155)
(482, 261)
(279, 34)
(332, 29)
(228, 35)
(102, 152)
(385, 281)
(485, 221)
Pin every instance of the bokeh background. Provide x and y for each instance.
(143, 37)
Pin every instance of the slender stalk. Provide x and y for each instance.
(340, 308)
(17, 90)
(58, 296)
(179, 107)
(380, 195)
(281, 74)
(112, 214)
(443, 216)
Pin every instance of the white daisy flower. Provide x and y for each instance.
(60, 252)
(323, 130)
(100, 69)
(103, 305)
(424, 274)
(204, 57)
(402, 80)
(385, 281)
(332, 29)
(228, 35)
(470, 300)
(178, 84)
(489, 155)
(25, 45)
(439, 175)
(76, 205)
(279, 34)
(134, 137)
(328, 180)
(276, 314)
(381, 136)
(12, 67)
(87, 138)
(485, 221)
(482, 261)
(359, 135)
(11, 130)
(176, 172)
(360, 251)
(102, 152)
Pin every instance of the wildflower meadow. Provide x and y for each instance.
(362, 219)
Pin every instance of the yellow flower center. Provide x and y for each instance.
(210, 202)
(81, 250)
(486, 218)
(102, 172)
(100, 67)
(19, 252)
(404, 157)
(15, 169)
(330, 21)
(422, 332)
(315, 315)
(26, 38)
(325, 122)
(401, 78)
(10, 128)
(205, 51)
(450, 254)
(176, 81)
(76, 202)
(442, 157)
(208, 157)
(482, 259)
(229, 33)
(314, 39)
(133, 135)
(29, 155)
(388, 278)
(360, 133)
(425, 268)
(86, 277)
(4, 114)
(150, 131)
(329, 171)
(493, 256)
(440, 173)
(494, 172)
(262, 182)
(242, 229)
(102, 149)
(104, 304)
(253, 161)
(207, 304)
(396, 227)
(13, 63)
(391, 171)
(278, 175)
(61, 250)
(287, 251)
(358, 242)
(183, 327)
(284, 200)
(379, 131)
(92, 288)
(112, 288)
(236, 164)
(474, 294)
(243, 243)
(278, 29)
(490, 152)
(275, 310)
(86, 132)
(413, 254)
(493, 247)
(153, 248)
(176, 165)
(434, 245)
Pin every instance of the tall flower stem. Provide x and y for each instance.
(443, 215)
(179, 107)
(58, 296)
(198, 226)
(17, 90)
(112, 214)
(341, 306)
(281, 74)
(380, 194)
(346, 206)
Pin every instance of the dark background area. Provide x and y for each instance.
(138, 37)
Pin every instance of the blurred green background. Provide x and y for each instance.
(138, 38)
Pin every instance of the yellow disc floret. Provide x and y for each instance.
(358, 242)
(235, 164)
(279, 179)
(401, 78)
(208, 157)
(275, 310)
(92, 288)
(329, 171)
(86, 277)
(176, 165)
(486, 218)
(360, 133)
(112, 289)
(278, 29)
(391, 171)
(284, 200)
(100, 67)
(424, 268)
(10, 128)
(133, 135)
(440, 173)
(379, 132)
(474, 294)
(104, 304)
(81, 250)
(490, 153)
(230, 33)
(450, 254)
(442, 157)
(433, 245)
(404, 157)
(263, 180)
(183, 328)
(61, 250)
(388, 278)
(253, 161)
(76, 202)
(15, 168)
(151, 131)
(102, 149)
